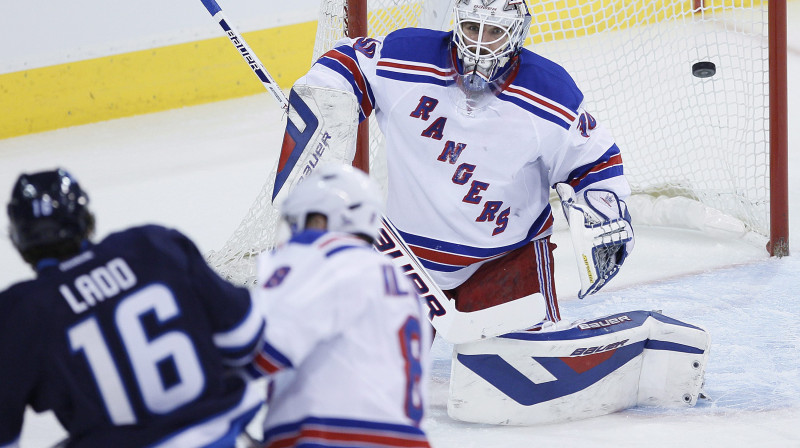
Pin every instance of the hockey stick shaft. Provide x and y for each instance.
(453, 325)
(456, 326)
(249, 56)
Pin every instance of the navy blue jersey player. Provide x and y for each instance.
(131, 342)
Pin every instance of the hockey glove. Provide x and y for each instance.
(602, 236)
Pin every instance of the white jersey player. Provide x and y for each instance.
(344, 345)
(477, 131)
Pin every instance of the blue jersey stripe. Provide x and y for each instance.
(275, 354)
(598, 176)
(336, 250)
(582, 170)
(414, 78)
(541, 113)
(478, 252)
(344, 425)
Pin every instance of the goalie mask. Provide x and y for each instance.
(488, 34)
(48, 216)
(346, 196)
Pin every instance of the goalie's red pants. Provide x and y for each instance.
(519, 273)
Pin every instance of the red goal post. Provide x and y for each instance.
(356, 26)
(779, 132)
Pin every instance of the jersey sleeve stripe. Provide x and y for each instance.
(265, 365)
(543, 102)
(269, 360)
(539, 106)
(597, 176)
(607, 166)
(332, 240)
(415, 72)
(397, 64)
(418, 68)
(336, 250)
(414, 78)
(333, 244)
(346, 65)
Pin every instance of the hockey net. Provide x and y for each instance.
(696, 150)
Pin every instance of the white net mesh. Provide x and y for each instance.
(706, 139)
(680, 135)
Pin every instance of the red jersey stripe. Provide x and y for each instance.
(358, 77)
(434, 70)
(569, 116)
(352, 439)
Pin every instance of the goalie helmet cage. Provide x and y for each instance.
(720, 140)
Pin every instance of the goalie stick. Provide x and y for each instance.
(455, 326)
(252, 60)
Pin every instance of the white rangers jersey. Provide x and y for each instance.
(345, 346)
(464, 188)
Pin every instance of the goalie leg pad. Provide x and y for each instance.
(321, 127)
(593, 368)
(674, 365)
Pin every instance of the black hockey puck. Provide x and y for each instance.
(704, 69)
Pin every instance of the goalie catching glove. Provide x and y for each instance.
(602, 236)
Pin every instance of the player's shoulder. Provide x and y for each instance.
(26, 302)
(15, 293)
(330, 257)
(322, 251)
(25, 322)
(331, 244)
(547, 79)
(412, 35)
(167, 245)
(145, 231)
(145, 235)
(418, 45)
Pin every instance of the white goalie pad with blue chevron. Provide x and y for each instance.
(637, 358)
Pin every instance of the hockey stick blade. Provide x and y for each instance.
(458, 327)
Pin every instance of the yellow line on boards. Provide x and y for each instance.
(147, 81)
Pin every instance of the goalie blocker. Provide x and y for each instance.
(321, 127)
(593, 368)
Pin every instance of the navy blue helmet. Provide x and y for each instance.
(48, 215)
